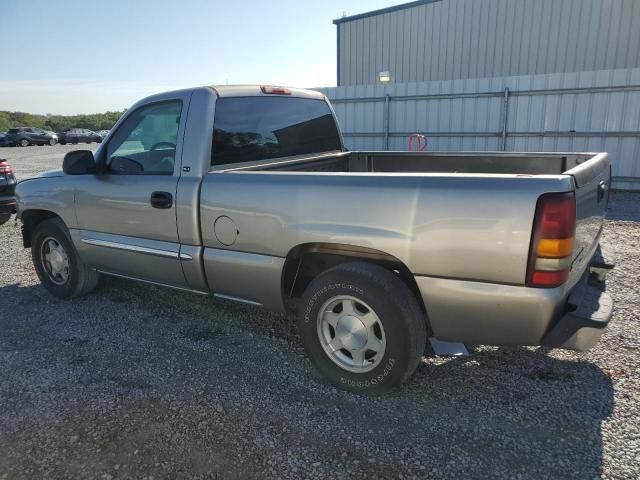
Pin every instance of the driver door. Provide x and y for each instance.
(39, 136)
(127, 215)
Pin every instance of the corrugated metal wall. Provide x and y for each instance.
(586, 111)
(459, 39)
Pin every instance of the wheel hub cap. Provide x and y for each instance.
(351, 334)
(55, 258)
(55, 261)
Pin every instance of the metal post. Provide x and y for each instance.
(387, 101)
(505, 113)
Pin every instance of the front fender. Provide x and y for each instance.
(48, 194)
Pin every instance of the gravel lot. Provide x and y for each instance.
(137, 381)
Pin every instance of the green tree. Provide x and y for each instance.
(93, 121)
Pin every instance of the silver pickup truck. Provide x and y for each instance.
(248, 193)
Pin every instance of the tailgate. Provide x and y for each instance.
(592, 179)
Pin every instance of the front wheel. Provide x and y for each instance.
(52, 141)
(362, 327)
(57, 263)
(24, 142)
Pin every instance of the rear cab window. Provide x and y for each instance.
(248, 129)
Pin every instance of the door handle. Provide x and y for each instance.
(161, 200)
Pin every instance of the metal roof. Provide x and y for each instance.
(383, 10)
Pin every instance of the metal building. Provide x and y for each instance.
(458, 39)
(529, 75)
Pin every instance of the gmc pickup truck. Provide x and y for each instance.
(248, 193)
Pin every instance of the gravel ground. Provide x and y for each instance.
(137, 381)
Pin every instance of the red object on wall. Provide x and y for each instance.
(418, 143)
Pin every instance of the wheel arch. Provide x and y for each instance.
(306, 261)
(31, 219)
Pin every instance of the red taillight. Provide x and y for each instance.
(549, 279)
(275, 90)
(552, 240)
(557, 215)
(5, 168)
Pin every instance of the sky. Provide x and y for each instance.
(74, 57)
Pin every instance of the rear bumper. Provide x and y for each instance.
(493, 314)
(589, 310)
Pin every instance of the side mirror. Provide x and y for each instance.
(79, 162)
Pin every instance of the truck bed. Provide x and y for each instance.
(453, 216)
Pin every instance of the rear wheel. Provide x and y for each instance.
(57, 263)
(362, 327)
(52, 141)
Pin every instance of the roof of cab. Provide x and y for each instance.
(255, 91)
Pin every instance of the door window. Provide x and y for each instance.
(145, 143)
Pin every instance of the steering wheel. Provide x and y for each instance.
(162, 144)
(125, 165)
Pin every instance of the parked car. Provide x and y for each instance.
(4, 142)
(7, 191)
(79, 135)
(261, 203)
(25, 136)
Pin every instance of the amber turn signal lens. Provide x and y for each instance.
(555, 248)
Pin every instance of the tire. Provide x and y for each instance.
(52, 141)
(24, 142)
(397, 330)
(80, 279)
(4, 218)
